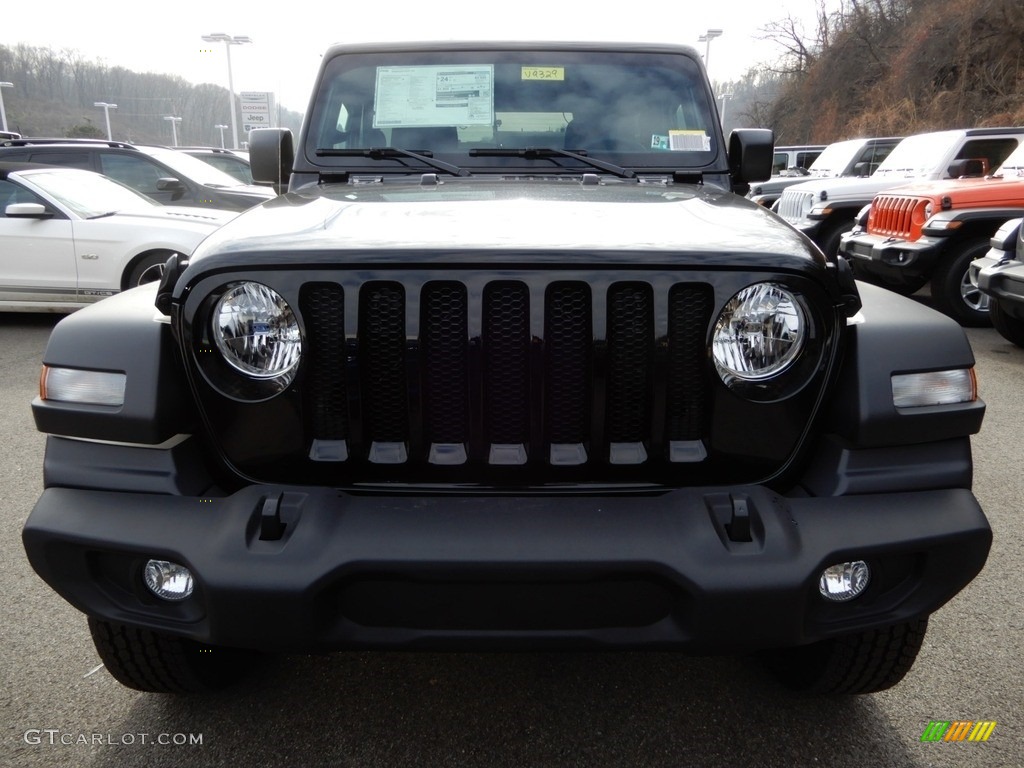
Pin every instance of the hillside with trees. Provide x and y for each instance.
(888, 67)
(54, 93)
(856, 68)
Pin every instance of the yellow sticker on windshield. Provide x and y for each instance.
(543, 73)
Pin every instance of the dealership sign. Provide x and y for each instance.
(257, 109)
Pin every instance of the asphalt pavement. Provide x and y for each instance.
(59, 707)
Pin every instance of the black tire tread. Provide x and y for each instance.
(867, 662)
(1009, 327)
(156, 663)
(946, 277)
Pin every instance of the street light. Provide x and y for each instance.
(222, 128)
(174, 127)
(106, 114)
(706, 38)
(725, 100)
(3, 113)
(229, 40)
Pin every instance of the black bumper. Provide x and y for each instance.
(657, 570)
(894, 261)
(1002, 280)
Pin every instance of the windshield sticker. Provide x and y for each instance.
(543, 73)
(659, 141)
(425, 96)
(689, 141)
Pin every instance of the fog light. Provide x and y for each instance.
(167, 580)
(844, 581)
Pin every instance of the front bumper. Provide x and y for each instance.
(895, 261)
(416, 571)
(1002, 280)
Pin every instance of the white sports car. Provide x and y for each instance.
(71, 237)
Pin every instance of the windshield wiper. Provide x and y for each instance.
(378, 153)
(531, 153)
(102, 215)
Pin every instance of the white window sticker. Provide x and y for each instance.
(425, 96)
(689, 141)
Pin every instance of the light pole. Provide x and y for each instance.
(174, 127)
(221, 128)
(229, 40)
(106, 114)
(3, 113)
(725, 100)
(706, 38)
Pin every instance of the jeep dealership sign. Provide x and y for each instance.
(257, 109)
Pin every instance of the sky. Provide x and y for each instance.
(286, 49)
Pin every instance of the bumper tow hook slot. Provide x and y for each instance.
(738, 526)
(271, 525)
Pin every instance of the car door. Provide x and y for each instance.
(37, 255)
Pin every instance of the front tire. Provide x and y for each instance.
(854, 664)
(1010, 328)
(157, 663)
(952, 291)
(831, 236)
(147, 269)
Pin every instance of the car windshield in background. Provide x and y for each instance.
(915, 155)
(1014, 164)
(89, 194)
(834, 159)
(190, 168)
(474, 107)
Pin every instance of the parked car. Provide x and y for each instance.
(825, 209)
(169, 177)
(70, 237)
(999, 274)
(511, 365)
(233, 162)
(854, 157)
(795, 157)
(932, 231)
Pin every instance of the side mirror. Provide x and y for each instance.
(170, 184)
(960, 169)
(271, 155)
(27, 211)
(751, 151)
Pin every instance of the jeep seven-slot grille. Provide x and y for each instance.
(445, 397)
(893, 215)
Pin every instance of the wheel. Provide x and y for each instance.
(147, 269)
(830, 237)
(1010, 328)
(952, 291)
(158, 663)
(864, 663)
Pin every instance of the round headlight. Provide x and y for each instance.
(759, 333)
(256, 332)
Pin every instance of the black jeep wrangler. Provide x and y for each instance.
(511, 365)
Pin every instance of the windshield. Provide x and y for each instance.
(915, 156)
(89, 194)
(190, 168)
(836, 157)
(471, 107)
(1014, 164)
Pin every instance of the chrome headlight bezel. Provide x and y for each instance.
(251, 342)
(765, 344)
